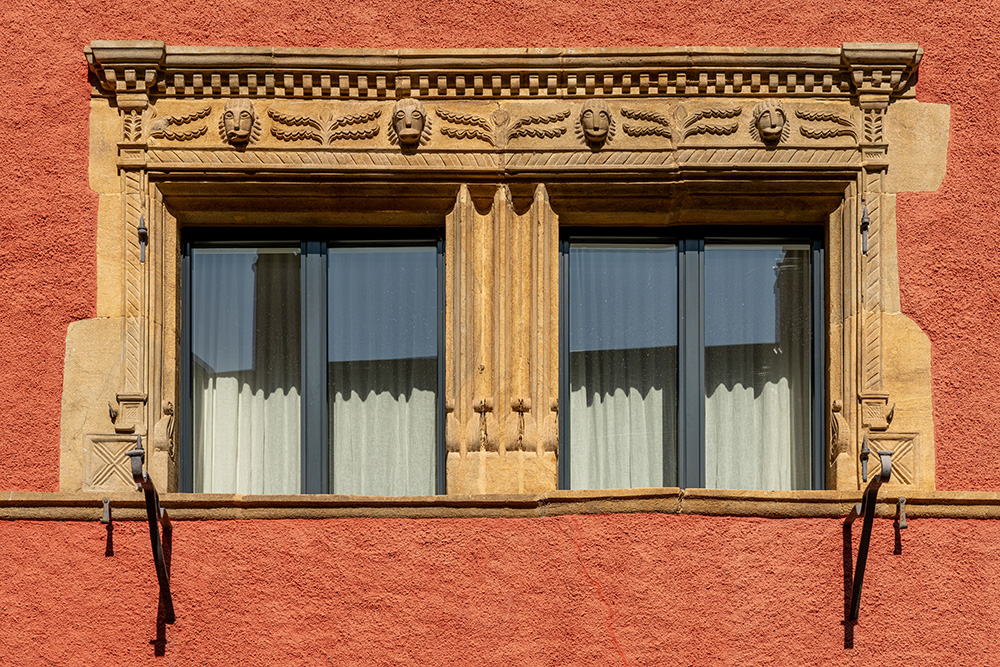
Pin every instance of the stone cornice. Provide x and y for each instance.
(151, 68)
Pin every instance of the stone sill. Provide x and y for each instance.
(129, 506)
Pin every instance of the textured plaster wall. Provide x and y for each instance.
(948, 255)
(625, 589)
(589, 590)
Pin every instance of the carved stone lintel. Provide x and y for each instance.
(870, 69)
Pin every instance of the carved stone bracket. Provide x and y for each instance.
(881, 71)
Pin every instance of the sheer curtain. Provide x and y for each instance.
(383, 369)
(245, 325)
(622, 365)
(758, 367)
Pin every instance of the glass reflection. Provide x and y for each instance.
(622, 365)
(382, 346)
(245, 343)
(758, 366)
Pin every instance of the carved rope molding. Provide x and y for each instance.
(495, 115)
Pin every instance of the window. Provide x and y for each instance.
(312, 366)
(693, 360)
(514, 153)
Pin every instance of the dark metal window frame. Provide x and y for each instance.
(313, 244)
(690, 242)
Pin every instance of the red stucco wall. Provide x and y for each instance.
(948, 256)
(591, 590)
(625, 589)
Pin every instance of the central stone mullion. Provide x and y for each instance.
(502, 336)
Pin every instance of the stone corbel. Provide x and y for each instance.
(876, 415)
(881, 71)
(123, 67)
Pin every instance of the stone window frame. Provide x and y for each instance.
(503, 161)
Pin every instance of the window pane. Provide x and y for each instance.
(622, 365)
(758, 366)
(383, 369)
(245, 344)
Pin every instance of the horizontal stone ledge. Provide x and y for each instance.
(129, 506)
(105, 53)
(154, 68)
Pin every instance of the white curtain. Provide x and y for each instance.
(758, 368)
(383, 426)
(383, 370)
(622, 365)
(623, 412)
(245, 343)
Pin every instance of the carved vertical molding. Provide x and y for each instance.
(470, 424)
(527, 351)
(878, 72)
(873, 398)
(545, 323)
(510, 357)
(872, 290)
(132, 396)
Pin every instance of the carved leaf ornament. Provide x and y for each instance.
(659, 124)
(692, 124)
(846, 127)
(163, 128)
(325, 129)
(498, 130)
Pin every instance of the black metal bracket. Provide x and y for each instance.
(865, 453)
(865, 223)
(866, 508)
(143, 233)
(154, 514)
